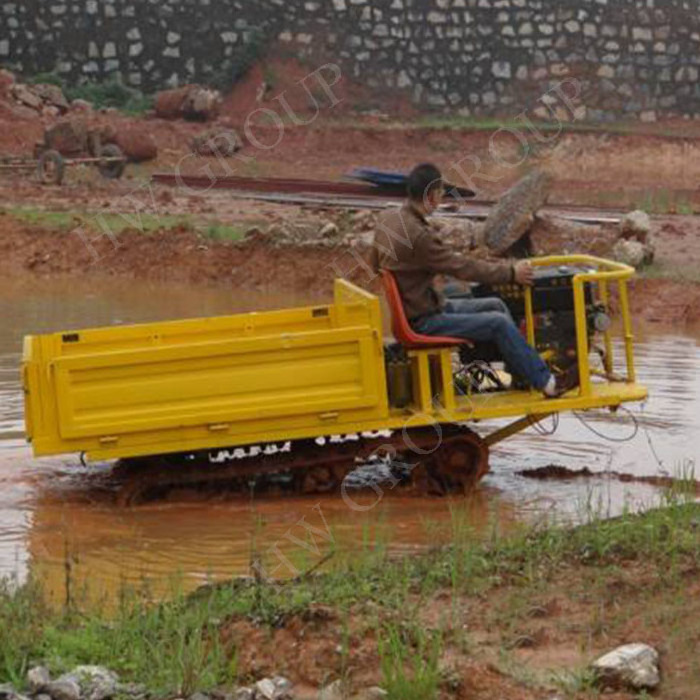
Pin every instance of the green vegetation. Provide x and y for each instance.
(117, 223)
(110, 93)
(664, 201)
(233, 69)
(409, 659)
(676, 273)
(177, 646)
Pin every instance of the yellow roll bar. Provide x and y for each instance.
(605, 271)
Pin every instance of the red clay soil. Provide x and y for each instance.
(174, 255)
(181, 255)
(553, 630)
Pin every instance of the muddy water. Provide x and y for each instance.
(56, 523)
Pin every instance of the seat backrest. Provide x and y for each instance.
(400, 326)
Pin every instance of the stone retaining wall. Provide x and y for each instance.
(637, 58)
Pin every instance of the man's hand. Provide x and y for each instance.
(523, 272)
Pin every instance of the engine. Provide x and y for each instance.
(553, 309)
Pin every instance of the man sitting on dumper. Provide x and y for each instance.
(409, 246)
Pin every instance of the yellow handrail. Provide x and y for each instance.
(606, 271)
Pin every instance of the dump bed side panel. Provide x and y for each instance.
(164, 385)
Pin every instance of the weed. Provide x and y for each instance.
(581, 680)
(409, 659)
(224, 232)
(116, 222)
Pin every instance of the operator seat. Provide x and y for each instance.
(401, 328)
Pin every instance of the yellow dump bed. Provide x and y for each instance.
(201, 383)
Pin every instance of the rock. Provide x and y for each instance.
(7, 80)
(265, 689)
(244, 694)
(24, 94)
(52, 95)
(7, 690)
(199, 696)
(138, 145)
(283, 688)
(81, 106)
(632, 253)
(42, 696)
(633, 666)
(373, 693)
(512, 216)
(192, 102)
(134, 690)
(554, 235)
(95, 682)
(63, 689)
(334, 691)
(328, 230)
(37, 679)
(216, 142)
(363, 220)
(636, 226)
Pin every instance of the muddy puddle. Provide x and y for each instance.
(53, 525)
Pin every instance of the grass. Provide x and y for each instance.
(110, 93)
(676, 273)
(664, 201)
(409, 659)
(117, 223)
(176, 646)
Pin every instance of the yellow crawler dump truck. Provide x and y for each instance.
(299, 397)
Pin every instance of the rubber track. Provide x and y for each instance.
(442, 459)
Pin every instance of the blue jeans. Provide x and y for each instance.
(484, 320)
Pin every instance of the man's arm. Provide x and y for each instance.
(439, 258)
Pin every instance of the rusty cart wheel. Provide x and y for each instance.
(50, 168)
(112, 169)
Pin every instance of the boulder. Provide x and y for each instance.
(512, 216)
(634, 666)
(216, 142)
(192, 102)
(555, 235)
(53, 96)
(37, 679)
(636, 226)
(26, 96)
(633, 253)
(137, 144)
